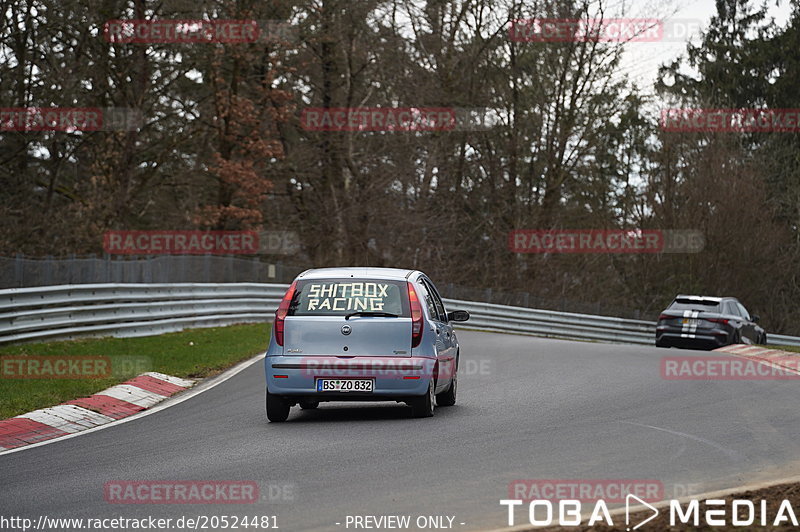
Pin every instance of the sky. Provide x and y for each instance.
(642, 59)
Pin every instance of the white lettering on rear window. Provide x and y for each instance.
(351, 296)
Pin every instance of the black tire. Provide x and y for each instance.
(423, 406)
(309, 405)
(737, 338)
(277, 408)
(448, 397)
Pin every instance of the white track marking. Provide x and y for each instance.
(68, 418)
(133, 394)
(735, 348)
(765, 361)
(728, 452)
(81, 416)
(177, 381)
(177, 399)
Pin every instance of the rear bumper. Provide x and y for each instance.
(706, 339)
(395, 378)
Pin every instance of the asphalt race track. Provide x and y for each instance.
(528, 408)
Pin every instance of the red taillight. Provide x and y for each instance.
(664, 317)
(280, 314)
(718, 320)
(416, 316)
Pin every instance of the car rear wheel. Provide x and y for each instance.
(448, 397)
(277, 408)
(423, 406)
(737, 337)
(309, 405)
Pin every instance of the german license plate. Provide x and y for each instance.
(345, 385)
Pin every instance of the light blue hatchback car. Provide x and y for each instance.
(362, 334)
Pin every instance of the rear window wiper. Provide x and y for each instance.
(370, 313)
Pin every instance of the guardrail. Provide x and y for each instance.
(70, 311)
(501, 318)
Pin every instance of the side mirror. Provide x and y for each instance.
(458, 315)
(756, 317)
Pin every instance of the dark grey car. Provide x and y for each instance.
(707, 322)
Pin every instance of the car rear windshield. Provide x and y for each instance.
(687, 304)
(339, 297)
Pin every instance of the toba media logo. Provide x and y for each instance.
(638, 511)
(713, 512)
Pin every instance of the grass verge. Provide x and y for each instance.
(194, 353)
(792, 348)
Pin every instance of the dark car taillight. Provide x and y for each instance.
(664, 317)
(280, 314)
(723, 321)
(416, 316)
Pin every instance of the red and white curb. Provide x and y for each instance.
(774, 357)
(114, 403)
